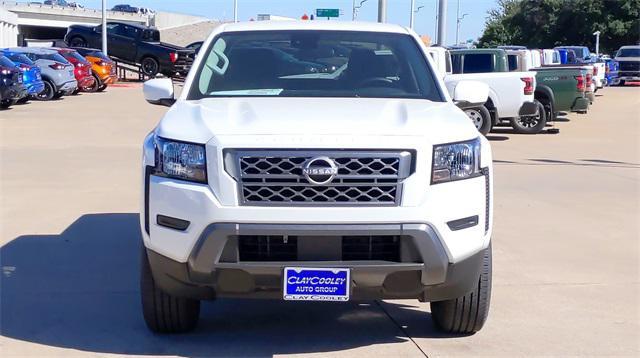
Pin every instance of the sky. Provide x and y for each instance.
(398, 11)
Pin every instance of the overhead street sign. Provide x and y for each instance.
(327, 12)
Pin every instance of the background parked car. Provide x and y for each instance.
(31, 74)
(134, 44)
(11, 87)
(628, 58)
(82, 68)
(611, 70)
(125, 8)
(102, 67)
(57, 72)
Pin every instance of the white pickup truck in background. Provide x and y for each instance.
(511, 94)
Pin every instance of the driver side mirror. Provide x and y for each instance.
(468, 94)
(159, 91)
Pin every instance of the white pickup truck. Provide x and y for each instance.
(315, 161)
(510, 94)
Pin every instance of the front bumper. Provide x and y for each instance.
(213, 271)
(627, 76)
(528, 109)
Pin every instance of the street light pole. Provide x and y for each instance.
(235, 10)
(104, 27)
(442, 22)
(413, 5)
(382, 10)
(597, 35)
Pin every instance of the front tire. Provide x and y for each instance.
(466, 314)
(481, 118)
(531, 124)
(162, 312)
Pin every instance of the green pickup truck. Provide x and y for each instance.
(560, 88)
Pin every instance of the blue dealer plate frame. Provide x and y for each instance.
(316, 284)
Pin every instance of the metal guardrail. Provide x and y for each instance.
(19, 5)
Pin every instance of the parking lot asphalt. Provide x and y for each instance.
(566, 247)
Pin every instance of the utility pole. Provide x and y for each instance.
(382, 10)
(104, 27)
(442, 22)
(235, 10)
(435, 31)
(597, 35)
(458, 21)
(353, 8)
(413, 5)
(413, 13)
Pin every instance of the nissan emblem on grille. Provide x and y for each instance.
(320, 170)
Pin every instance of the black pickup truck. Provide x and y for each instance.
(135, 44)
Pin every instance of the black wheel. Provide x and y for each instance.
(549, 110)
(481, 118)
(23, 100)
(4, 104)
(58, 95)
(621, 83)
(94, 87)
(48, 93)
(75, 93)
(162, 312)
(466, 314)
(531, 124)
(150, 66)
(102, 88)
(78, 42)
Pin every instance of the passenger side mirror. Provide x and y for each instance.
(467, 94)
(159, 91)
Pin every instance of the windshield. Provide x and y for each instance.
(314, 64)
(629, 52)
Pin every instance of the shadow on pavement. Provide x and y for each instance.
(79, 290)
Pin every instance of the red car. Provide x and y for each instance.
(82, 66)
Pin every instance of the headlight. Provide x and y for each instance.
(180, 160)
(455, 161)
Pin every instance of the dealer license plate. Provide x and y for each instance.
(316, 284)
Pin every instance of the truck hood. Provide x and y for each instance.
(198, 121)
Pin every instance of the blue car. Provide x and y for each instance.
(611, 70)
(31, 74)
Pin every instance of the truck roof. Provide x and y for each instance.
(478, 50)
(313, 25)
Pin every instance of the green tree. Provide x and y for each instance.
(549, 23)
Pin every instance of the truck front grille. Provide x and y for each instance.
(347, 177)
(629, 66)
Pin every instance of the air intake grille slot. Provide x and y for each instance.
(386, 248)
(361, 177)
(267, 248)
